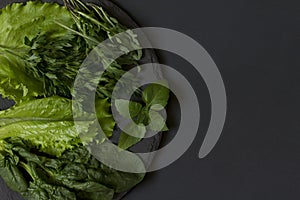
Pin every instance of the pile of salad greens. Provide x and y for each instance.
(42, 47)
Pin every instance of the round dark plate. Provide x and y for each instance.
(146, 145)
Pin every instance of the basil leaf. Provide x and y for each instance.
(156, 94)
(134, 108)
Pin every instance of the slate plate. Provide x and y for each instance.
(146, 145)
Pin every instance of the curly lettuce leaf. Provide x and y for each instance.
(47, 109)
(47, 124)
(52, 138)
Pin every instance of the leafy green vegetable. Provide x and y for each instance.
(104, 116)
(127, 140)
(11, 174)
(14, 82)
(155, 97)
(48, 137)
(47, 109)
(42, 153)
(74, 175)
(39, 190)
(134, 108)
(20, 21)
(48, 123)
(17, 23)
(55, 59)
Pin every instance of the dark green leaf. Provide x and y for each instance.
(12, 176)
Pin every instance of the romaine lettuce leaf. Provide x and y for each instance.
(47, 124)
(47, 109)
(52, 138)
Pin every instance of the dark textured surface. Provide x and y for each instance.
(5, 103)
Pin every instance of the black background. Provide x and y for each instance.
(255, 44)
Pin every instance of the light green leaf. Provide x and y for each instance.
(18, 21)
(47, 109)
(48, 137)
